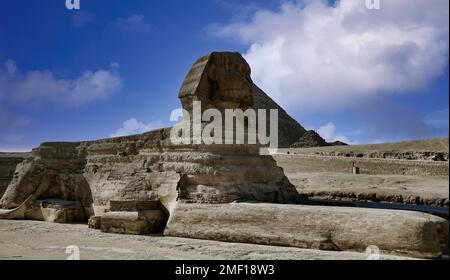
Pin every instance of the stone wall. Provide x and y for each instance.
(54, 171)
(311, 163)
(8, 163)
(427, 156)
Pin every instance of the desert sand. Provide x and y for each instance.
(31, 240)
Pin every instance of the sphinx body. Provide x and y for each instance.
(150, 167)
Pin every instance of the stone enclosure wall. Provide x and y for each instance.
(8, 164)
(371, 166)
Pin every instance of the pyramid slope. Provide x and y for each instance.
(289, 130)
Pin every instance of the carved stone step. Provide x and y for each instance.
(118, 205)
(136, 222)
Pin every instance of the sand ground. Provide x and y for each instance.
(31, 240)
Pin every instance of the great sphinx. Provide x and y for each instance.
(149, 167)
(144, 183)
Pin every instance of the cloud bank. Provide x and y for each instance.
(312, 56)
(133, 126)
(329, 133)
(18, 87)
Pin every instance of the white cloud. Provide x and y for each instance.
(133, 23)
(133, 126)
(42, 85)
(328, 132)
(309, 55)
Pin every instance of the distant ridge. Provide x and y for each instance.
(312, 139)
(430, 149)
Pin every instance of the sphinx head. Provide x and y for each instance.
(218, 80)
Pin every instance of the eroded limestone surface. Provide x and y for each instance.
(318, 227)
(8, 164)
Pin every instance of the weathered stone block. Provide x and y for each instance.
(56, 211)
(95, 222)
(116, 205)
(137, 222)
(8, 163)
(331, 228)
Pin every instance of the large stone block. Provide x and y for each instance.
(59, 211)
(331, 228)
(134, 205)
(136, 222)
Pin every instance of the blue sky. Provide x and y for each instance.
(115, 67)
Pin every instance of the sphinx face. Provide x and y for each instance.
(232, 83)
(219, 80)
